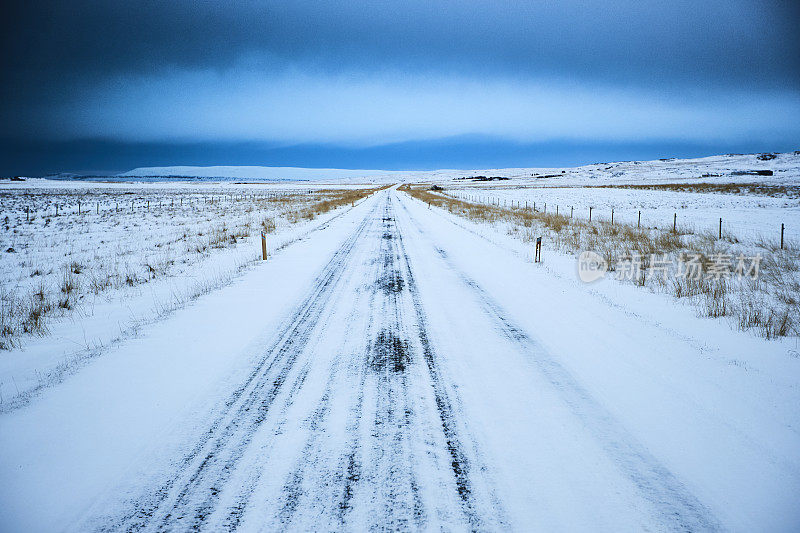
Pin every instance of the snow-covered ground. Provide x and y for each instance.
(128, 255)
(391, 366)
(745, 216)
(396, 369)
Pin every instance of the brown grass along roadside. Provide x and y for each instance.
(769, 304)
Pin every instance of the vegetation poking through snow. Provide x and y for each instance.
(760, 189)
(769, 304)
(119, 239)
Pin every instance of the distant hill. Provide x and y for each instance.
(265, 173)
(784, 167)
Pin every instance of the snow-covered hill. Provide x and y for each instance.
(785, 168)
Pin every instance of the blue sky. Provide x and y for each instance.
(417, 84)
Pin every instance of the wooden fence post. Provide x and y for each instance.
(538, 253)
(720, 228)
(590, 214)
(612, 216)
(782, 228)
(570, 210)
(263, 246)
(639, 220)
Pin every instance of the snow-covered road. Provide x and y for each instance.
(395, 371)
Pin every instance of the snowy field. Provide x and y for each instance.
(114, 255)
(746, 216)
(392, 365)
(749, 216)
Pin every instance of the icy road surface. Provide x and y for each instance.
(395, 371)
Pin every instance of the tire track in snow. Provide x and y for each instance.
(312, 487)
(234, 512)
(297, 338)
(487, 511)
(676, 506)
(211, 461)
(391, 358)
(372, 478)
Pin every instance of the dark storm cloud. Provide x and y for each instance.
(357, 75)
(740, 43)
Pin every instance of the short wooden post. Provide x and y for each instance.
(97, 205)
(545, 208)
(720, 228)
(782, 228)
(590, 214)
(534, 207)
(148, 204)
(556, 209)
(263, 246)
(612, 216)
(538, 253)
(639, 221)
(56, 209)
(571, 208)
(675, 223)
